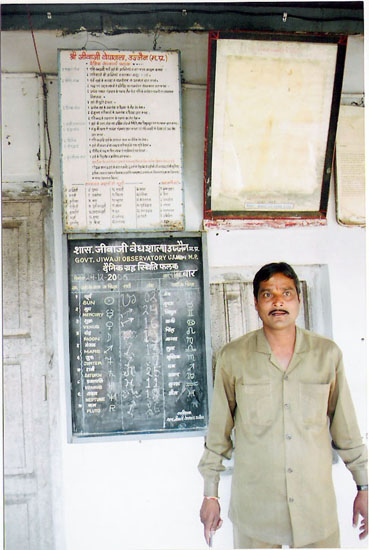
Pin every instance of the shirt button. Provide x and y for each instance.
(285, 377)
(291, 499)
(288, 436)
(290, 470)
(287, 405)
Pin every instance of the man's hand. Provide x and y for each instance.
(210, 517)
(361, 508)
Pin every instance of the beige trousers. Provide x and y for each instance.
(242, 541)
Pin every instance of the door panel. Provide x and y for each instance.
(27, 481)
(18, 424)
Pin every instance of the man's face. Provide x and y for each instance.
(278, 302)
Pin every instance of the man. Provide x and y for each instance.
(283, 390)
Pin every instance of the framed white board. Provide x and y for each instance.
(272, 112)
(121, 150)
(350, 166)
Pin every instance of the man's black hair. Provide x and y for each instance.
(269, 270)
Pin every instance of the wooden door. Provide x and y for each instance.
(26, 362)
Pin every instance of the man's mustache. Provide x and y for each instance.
(278, 311)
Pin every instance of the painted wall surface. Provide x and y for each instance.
(146, 494)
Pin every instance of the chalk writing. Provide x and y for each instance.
(137, 335)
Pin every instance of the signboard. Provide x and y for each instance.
(350, 166)
(137, 335)
(120, 141)
(272, 109)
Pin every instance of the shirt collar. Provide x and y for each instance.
(301, 344)
(262, 344)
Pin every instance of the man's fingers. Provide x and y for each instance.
(213, 526)
(210, 517)
(363, 526)
(363, 529)
(207, 532)
(360, 510)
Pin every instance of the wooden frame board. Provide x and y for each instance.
(350, 166)
(139, 348)
(121, 144)
(272, 111)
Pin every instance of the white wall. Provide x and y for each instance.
(146, 494)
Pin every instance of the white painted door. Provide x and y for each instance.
(26, 362)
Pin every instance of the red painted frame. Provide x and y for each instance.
(239, 219)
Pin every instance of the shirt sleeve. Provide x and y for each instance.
(218, 444)
(344, 428)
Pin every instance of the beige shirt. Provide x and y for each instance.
(283, 420)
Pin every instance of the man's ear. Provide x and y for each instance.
(255, 303)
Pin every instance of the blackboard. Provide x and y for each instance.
(138, 362)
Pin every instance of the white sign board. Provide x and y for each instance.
(121, 140)
(350, 166)
(271, 120)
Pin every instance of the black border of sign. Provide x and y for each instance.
(81, 438)
(341, 41)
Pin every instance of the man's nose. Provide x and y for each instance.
(278, 300)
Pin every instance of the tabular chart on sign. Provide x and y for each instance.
(137, 347)
(121, 140)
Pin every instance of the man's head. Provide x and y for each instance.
(268, 270)
(277, 296)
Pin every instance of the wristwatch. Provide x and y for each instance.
(362, 487)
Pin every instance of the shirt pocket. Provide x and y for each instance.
(314, 403)
(257, 403)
